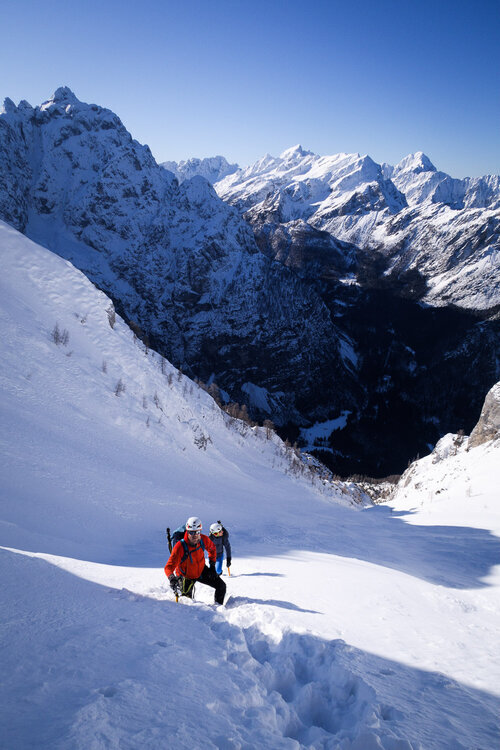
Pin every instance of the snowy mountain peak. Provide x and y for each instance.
(8, 106)
(63, 96)
(213, 168)
(417, 162)
(295, 152)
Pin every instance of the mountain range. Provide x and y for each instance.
(416, 218)
(304, 286)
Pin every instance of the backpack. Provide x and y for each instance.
(178, 535)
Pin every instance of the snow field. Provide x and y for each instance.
(346, 626)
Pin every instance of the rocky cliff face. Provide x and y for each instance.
(176, 259)
(488, 427)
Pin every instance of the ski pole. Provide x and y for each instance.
(169, 539)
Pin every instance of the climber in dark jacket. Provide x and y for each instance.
(220, 537)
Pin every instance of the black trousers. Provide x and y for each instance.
(209, 578)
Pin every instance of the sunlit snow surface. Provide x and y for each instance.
(346, 627)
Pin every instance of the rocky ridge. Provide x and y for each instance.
(413, 217)
(177, 260)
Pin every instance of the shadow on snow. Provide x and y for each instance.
(79, 655)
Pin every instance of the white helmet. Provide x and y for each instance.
(215, 528)
(193, 524)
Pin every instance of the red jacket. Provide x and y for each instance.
(193, 565)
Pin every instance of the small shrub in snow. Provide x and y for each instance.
(104, 366)
(60, 337)
(214, 390)
(202, 441)
(120, 388)
(238, 412)
(269, 428)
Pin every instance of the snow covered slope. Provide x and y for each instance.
(417, 218)
(347, 626)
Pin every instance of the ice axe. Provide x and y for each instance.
(169, 539)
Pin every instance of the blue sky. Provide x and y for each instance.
(205, 77)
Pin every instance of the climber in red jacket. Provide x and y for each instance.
(186, 564)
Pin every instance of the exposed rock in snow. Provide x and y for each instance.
(488, 427)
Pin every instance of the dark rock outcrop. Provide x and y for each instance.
(488, 427)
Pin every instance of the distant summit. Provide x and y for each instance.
(62, 95)
(213, 168)
(295, 152)
(417, 162)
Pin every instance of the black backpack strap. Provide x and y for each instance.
(187, 552)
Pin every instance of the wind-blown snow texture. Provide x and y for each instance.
(347, 626)
(416, 217)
